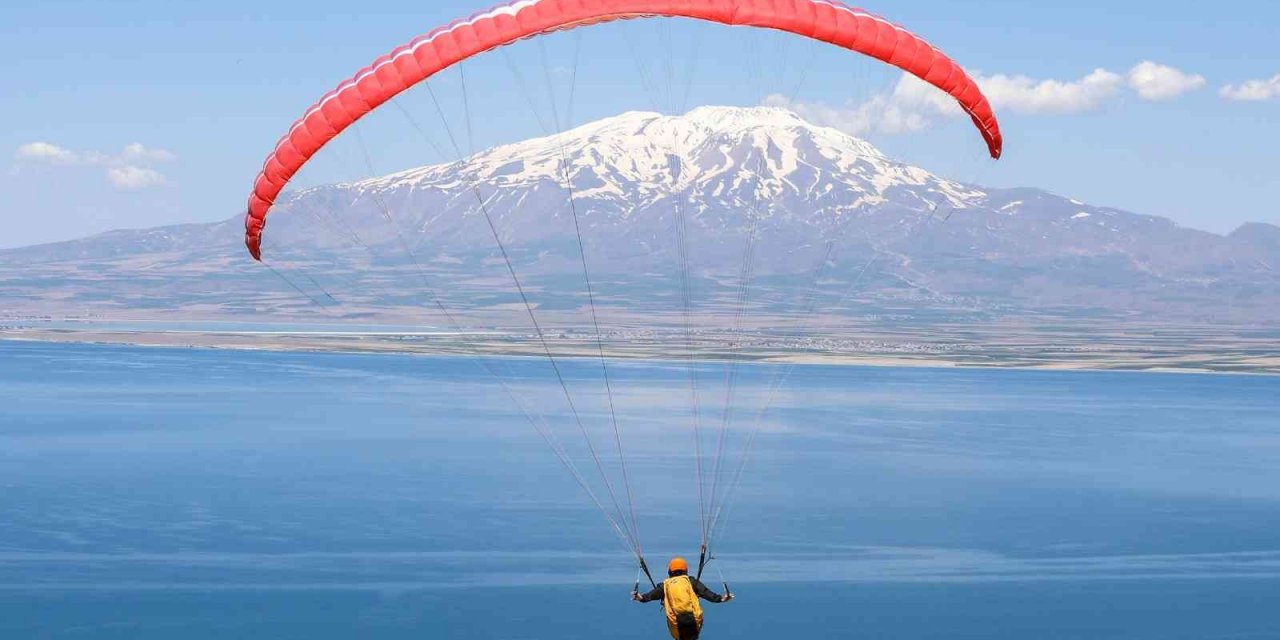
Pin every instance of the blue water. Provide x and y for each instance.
(176, 493)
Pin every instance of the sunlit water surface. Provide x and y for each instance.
(173, 493)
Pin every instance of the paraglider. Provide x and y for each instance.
(824, 21)
(679, 595)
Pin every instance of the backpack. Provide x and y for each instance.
(681, 605)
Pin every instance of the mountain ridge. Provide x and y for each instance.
(726, 174)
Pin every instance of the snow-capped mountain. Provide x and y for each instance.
(811, 200)
(722, 167)
(737, 155)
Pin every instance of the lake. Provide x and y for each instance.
(150, 493)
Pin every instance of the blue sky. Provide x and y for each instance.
(140, 113)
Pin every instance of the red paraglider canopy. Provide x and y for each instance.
(824, 20)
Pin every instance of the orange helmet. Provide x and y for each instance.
(678, 564)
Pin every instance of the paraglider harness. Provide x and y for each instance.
(680, 602)
(703, 561)
(680, 594)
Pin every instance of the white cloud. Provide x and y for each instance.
(1156, 82)
(1021, 94)
(132, 168)
(913, 105)
(877, 115)
(44, 151)
(137, 152)
(1253, 90)
(131, 177)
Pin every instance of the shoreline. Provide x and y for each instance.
(496, 344)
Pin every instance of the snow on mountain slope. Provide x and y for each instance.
(710, 150)
(727, 156)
